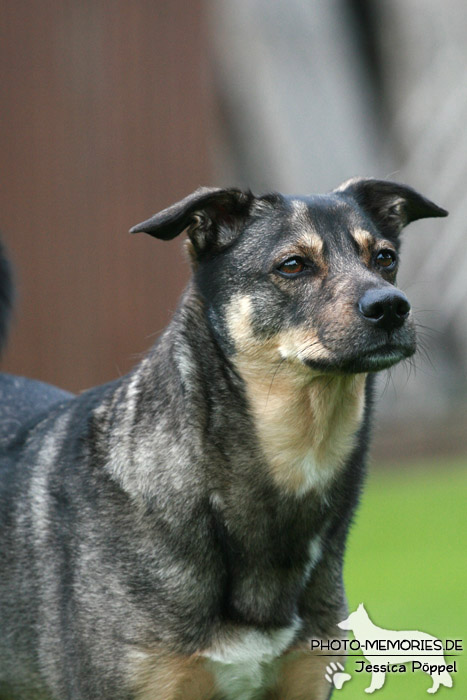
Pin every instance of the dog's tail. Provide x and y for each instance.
(6, 295)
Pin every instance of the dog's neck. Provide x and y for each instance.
(306, 424)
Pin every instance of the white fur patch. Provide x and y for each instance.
(132, 393)
(314, 475)
(315, 551)
(242, 662)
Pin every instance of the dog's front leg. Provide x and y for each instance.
(162, 676)
(302, 674)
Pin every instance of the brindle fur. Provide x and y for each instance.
(178, 534)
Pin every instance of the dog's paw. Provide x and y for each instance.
(335, 676)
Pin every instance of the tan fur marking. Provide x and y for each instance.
(155, 675)
(365, 242)
(306, 431)
(310, 244)
(314, 243)
(302, 676)
(238, 317)
(306, 421)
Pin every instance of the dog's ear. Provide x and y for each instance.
(390, 205)
(213, 217)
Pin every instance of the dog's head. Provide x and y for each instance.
(309, 279)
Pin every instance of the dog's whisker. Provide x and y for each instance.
(386, 382)
(424, 352)
(421, 328)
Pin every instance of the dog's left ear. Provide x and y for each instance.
(211, 215)
(390, 205)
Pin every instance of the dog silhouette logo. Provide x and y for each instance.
(386, 649)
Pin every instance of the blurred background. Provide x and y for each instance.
(111, 111)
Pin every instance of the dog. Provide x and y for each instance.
(366, 632)
(179, 533)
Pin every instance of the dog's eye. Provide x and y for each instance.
(386, 259)
(291, 267)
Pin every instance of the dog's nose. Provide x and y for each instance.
(384, 308)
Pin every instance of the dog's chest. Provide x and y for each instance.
(270, 546)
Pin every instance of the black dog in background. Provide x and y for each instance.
(6, 295)
(179, 533)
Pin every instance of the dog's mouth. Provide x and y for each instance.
(381, 357)
(373, 359)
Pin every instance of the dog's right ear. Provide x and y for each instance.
(213, 217)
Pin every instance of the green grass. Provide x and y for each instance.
(406, 561)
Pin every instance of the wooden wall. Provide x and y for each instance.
(105, 116)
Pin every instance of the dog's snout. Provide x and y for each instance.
(384, 308)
